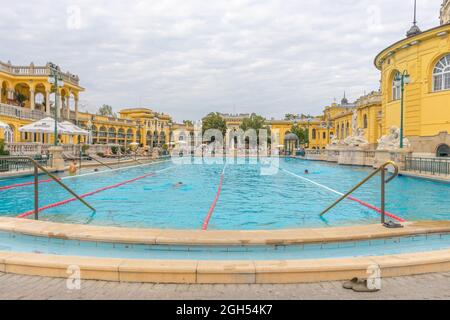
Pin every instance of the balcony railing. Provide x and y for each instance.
(37, 71)
(21, 113)
(433, 166)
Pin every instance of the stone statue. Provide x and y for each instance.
(391, 141)
(334, 141)
(355, 121)
(357, 139)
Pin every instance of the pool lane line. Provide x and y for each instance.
(216, 199)
(365, 204)
(60, 203)
(14, 186)
(18, 185)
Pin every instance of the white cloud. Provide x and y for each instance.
(190, 57)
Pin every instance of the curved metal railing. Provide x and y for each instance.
(38, 167)
(384, 181)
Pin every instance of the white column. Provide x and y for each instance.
(32, 99)
(47, 102)
(68, 107)
(76, 110)
(58, 109)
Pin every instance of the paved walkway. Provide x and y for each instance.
(431, 286)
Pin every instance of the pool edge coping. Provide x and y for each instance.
(215, 238)
(223, 272)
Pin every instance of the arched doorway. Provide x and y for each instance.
(22, 95)
(443, 151)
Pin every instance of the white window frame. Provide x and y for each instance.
(441, 74)
(396, 89)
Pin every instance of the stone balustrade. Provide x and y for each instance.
(38, 71)
(21, 113)
(33, 149)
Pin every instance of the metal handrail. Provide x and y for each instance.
(384, 181)
(37, 166)
(101, 162)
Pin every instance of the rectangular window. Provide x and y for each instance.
(447, 81)
(438, 83)
(396, 93)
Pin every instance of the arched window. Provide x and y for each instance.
(366, 122)
(443, 151)
(347, 130)
(9, 135)
(338, 131)
(396, 88)
(441, 74)
(324, 136)
(342, 131)
(314, 134)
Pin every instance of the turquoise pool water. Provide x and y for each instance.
(29, 244)
(248, 200)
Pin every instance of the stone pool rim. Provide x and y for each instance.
(216, 238)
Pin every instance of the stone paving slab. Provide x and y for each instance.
(13, 287)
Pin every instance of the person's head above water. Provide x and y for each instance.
(306, 171)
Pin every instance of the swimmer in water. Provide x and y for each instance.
(73, 168)
(178, 185)
(306, 171)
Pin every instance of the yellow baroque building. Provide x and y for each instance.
(337, 119)
(27, 96)
(425, 56)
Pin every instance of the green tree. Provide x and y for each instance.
(289, 117)
(214, 121)
(301, 133)
(3, 152)
(20, 98)
(106, 110)
(256, 123)
(188, 123)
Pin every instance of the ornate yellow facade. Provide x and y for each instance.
(26, 97)
(426, 58)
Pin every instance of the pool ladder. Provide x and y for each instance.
(384, 181)
(38, 167)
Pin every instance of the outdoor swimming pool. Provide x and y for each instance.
(248, 200)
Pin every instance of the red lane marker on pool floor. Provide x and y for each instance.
(13, 186)
(368, 205)
(57, 204)
(213, 206)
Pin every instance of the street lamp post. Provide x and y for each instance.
(402, 79)
(55, 78)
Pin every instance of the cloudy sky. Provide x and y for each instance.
(189, 57)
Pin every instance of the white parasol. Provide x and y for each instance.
(46, 125)
(74, 128)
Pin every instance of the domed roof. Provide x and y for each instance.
(291, 137)
(415, 30)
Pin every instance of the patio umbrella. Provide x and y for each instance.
(46, 125)
(76, 130)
